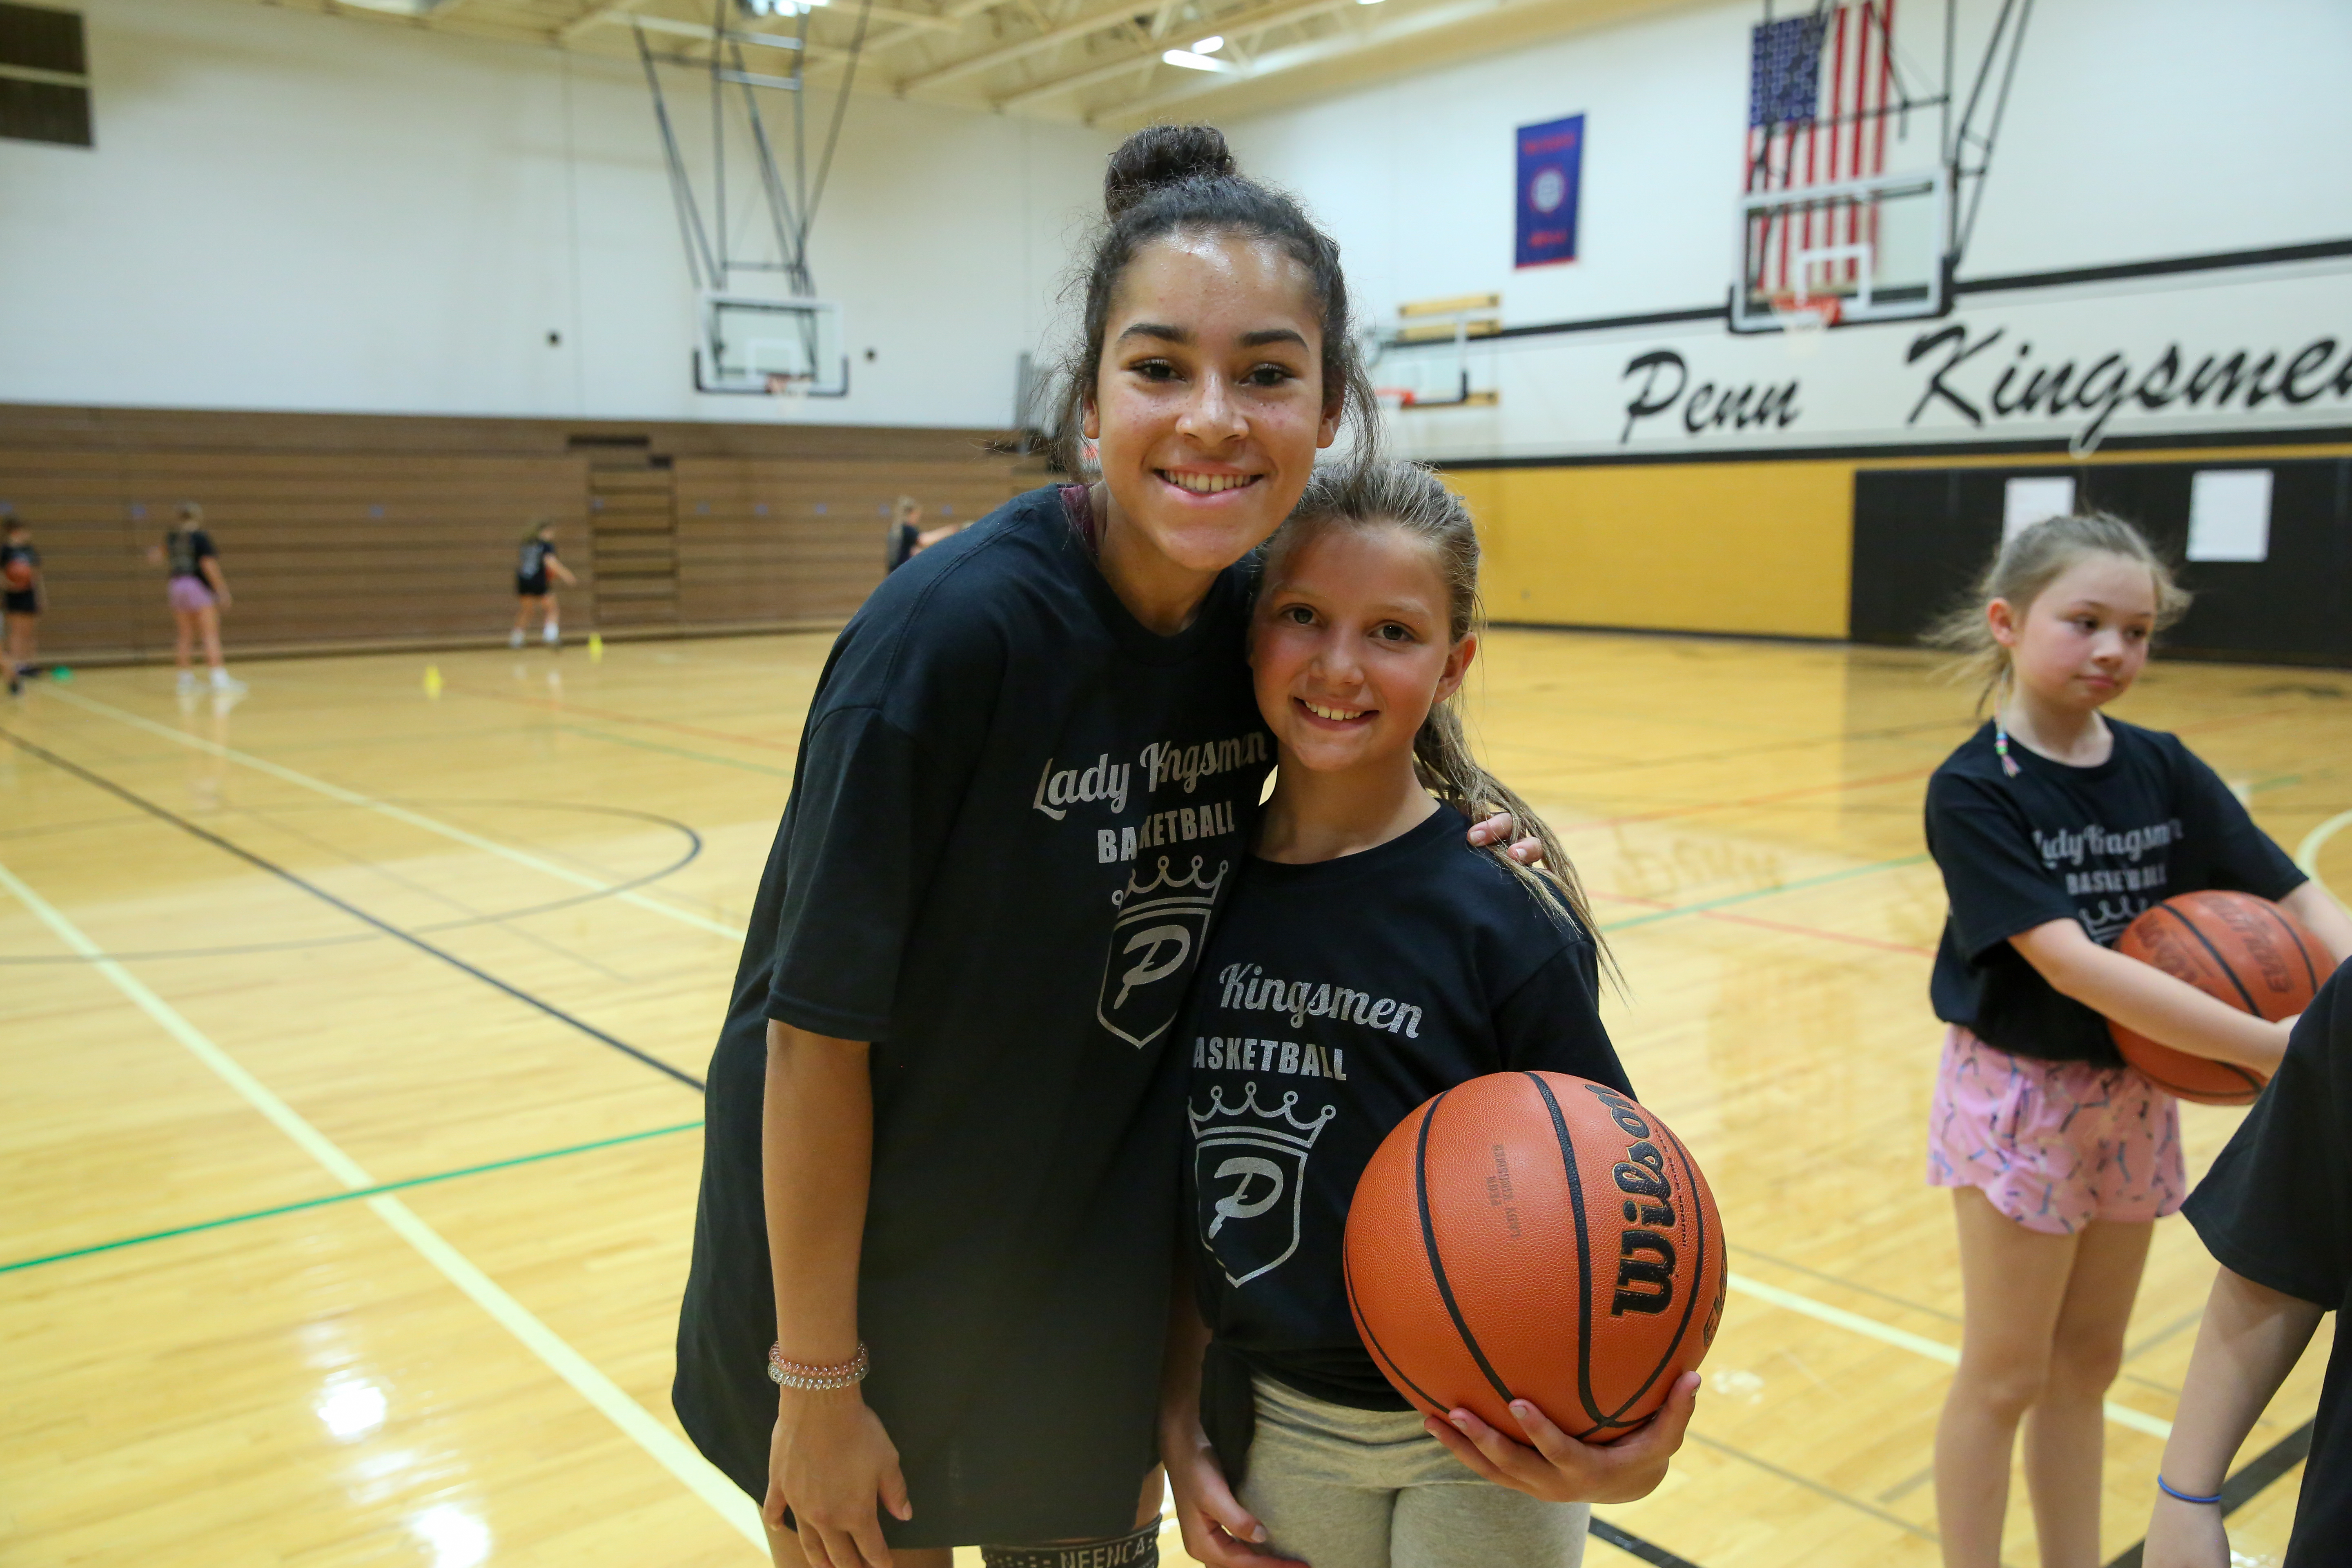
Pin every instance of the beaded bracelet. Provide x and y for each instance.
(2176, 1495)
(813, 1378)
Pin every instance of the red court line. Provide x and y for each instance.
(1769, 925)
(564, 705)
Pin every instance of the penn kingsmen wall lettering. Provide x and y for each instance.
(2019, 383)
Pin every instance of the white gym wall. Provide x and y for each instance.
(2136, 130)
(287, 211)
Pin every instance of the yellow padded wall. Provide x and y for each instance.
(1711, 547)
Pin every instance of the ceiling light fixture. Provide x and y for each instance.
(1196, 63)
(1210, 44)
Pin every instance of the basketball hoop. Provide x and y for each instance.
(1804, 318)
(788, 385)
(1396, 398)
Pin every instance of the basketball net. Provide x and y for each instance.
(788, 385)
(1397, 397)
(1804, 320)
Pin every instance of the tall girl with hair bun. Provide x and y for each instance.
(1284, 1438)
(2054, 826)
(932, 1254)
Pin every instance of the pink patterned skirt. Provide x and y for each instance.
(2054, 1145)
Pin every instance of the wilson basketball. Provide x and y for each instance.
(1533, 1235)
(2233, 947)
(19, 574)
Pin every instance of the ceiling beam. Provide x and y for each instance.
(954, 15)
(1243, 25)
(1276, 61)
(1117, 16)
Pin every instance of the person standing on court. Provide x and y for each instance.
(21, 595)
(2276, 1211)
(535, 563)
(2054, 826)
(1359, 884)
(198, 593)
(939, 1192)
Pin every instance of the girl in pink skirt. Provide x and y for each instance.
(2054, 826)
(198, 593)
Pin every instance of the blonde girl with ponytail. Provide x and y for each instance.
(1425, 961)
(2054, 827)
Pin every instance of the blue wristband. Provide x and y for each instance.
(2176, 1495)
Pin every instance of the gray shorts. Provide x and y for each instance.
(1368, 1489)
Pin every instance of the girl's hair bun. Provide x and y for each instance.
(1162, 155)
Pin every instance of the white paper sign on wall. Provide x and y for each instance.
(2229, 514)
(2027, 501)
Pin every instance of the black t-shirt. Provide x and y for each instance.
(187, 547)
(1334, 998)
(9, 556)
(1013, 813)
(530, 562)
(2096, 845)
(2277, 1208)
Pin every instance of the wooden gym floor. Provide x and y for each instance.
(347, 1041)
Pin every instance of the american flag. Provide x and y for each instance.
(1819, 86)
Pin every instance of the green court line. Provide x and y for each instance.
(1827, 876)
(674, 751)
(347, 1197)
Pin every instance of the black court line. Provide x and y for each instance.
(2250, 1481)
(1647, 1550)
(215, 840)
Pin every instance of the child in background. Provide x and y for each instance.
(535, 563)
(2276, 1209)
(198, 593)
(2053, 827)
(1362, 878)
(21, 595)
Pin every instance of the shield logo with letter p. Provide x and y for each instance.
(1153, 944)
(1249, 1167)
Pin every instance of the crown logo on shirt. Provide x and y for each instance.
(1164, 883)
(1256, 1121)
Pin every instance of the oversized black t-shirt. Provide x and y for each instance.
(186, 549)
(2097, 844)
(1334, 998)
(2277, 1208)
(531, 561)
(1015, 810)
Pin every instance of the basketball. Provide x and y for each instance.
(19, 574)
(2235, 948)
(1530, 1235)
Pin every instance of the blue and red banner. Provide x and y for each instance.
(1551, 169)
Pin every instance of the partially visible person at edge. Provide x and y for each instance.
(197, 592)
(2276, 1210)
(909, 537)
(2054, 826)
(942, 1114)
(21, 595)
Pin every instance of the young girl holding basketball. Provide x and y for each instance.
(535, 563)
(2054, 826)
(1361, 884)
(932, 1260)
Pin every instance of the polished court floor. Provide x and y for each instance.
(349, 1036)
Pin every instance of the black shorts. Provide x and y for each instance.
(21, 602)
(531, 587)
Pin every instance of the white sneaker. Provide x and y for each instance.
(187, 680)
(552, 636)
(224, 682)
(514, 638)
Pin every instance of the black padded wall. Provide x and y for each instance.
(1921, 535)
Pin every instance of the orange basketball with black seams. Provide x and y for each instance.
(1535, 1235)
(2235, 948)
